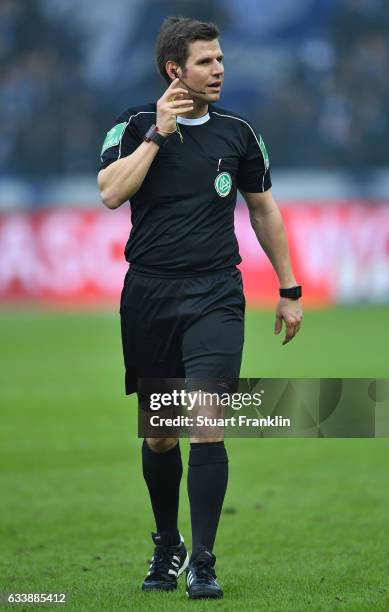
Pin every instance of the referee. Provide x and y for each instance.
(180, 162)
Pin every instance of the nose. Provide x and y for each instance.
(218, 68)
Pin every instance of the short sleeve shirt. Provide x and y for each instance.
(183, 214)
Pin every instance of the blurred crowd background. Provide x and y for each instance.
(312, 74)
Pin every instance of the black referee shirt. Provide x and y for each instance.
(183, 214)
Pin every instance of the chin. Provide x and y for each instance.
(213, 97)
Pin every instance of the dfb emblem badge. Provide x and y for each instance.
(223, 184)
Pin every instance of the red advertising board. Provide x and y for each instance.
(340, 253)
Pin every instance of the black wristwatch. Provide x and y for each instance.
(293, 293)
(152, 135)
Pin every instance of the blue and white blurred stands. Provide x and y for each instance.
(312, 75)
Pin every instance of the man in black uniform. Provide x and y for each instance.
(180, 162)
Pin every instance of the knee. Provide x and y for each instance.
(210, 437)
(161, 445)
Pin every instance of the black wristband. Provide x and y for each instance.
(152, 135)
(293, 293)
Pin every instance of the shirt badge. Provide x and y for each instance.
(114, 136)
(223, 184)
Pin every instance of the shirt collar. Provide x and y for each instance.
(196, 121)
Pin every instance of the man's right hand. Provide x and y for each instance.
(171, 104)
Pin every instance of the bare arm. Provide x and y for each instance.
(266, 221)
(123, 178)
(269, 228)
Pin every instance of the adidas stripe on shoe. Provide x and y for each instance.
(168, 562)
(201, 578)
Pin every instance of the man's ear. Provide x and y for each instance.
(172, 69)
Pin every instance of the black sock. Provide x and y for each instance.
(207, 484)
(162, 473)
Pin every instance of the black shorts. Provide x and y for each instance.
(190, 328)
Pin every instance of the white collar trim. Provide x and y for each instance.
(196, 121)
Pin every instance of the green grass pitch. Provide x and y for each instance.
(305, 522)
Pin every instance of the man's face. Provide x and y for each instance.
(204, 70)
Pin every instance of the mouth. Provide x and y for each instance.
(215, 86)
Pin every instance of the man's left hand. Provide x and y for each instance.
(291, 312)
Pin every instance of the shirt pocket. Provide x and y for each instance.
(224, 164)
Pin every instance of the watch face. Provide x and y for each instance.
(149, 133)
(153, 136)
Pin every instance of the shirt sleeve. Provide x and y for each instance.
(121, 140)
(254, 171)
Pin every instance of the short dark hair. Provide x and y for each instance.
(174, 37)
